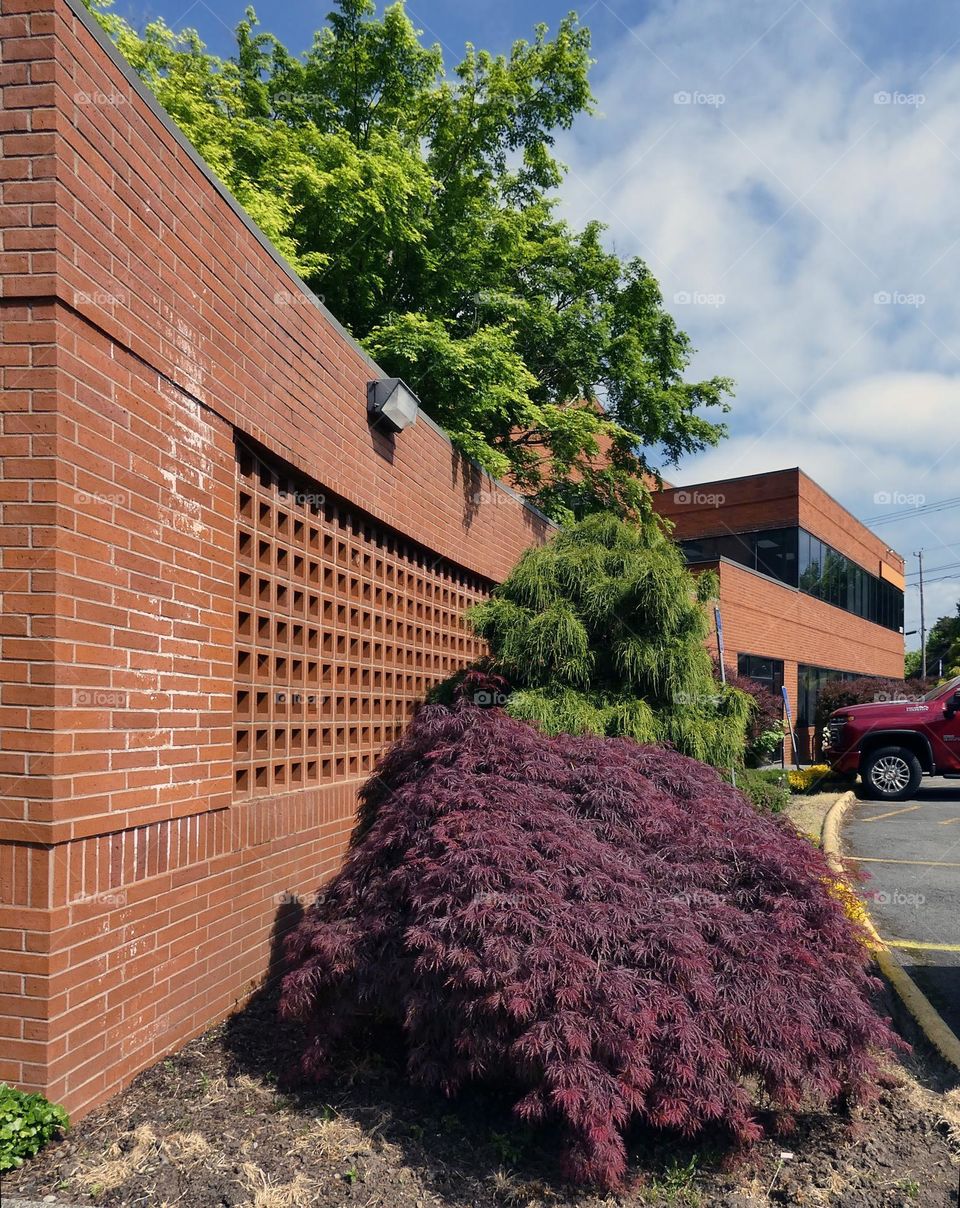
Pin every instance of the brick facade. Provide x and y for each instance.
(765, 618)
(776, 500)
(769, 619)
(222, 591)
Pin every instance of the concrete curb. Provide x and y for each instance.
(925, 1014)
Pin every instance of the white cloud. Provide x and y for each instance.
(788, 213)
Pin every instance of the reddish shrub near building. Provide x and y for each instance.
(766, 717)
(610, 928)
(838, 693)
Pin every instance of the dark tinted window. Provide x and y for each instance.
(763, 670)
(777, 554)
(773, 552)
(810, 681)
(796, 557)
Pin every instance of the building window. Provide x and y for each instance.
(799, 559)
(768, 672)
(777, 554)
(773, 552)
(810, 681)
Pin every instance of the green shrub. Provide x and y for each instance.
(769, 790)
(27, 1123)
(602, 631)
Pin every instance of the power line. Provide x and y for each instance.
(943, 566)
(928, 509)
(943, 579)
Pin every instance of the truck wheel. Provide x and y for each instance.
(891, 774)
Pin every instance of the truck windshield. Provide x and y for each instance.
(943, 689)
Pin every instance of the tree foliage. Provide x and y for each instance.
(602, 630)
(912, 664)
(421, 204)
(766, 726)
(943, 646)
(610, 930)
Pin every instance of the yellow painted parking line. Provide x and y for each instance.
(921, 863)
(923, 947)
(907, 809)
(948, 822)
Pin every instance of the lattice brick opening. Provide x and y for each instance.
(342, 625)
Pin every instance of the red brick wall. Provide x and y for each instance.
(765, 618)
(775, 500)
(822, 515)
(733, 505)
(144, 327)
(762, 617)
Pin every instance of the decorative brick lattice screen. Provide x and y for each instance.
(342, 626)
(151, 761)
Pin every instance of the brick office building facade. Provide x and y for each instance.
(807, 592)
(223, 591)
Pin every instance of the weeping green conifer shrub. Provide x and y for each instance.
(602, 631)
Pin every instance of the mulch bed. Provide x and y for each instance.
(212, 1127)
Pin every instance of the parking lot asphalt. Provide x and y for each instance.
(909, 853)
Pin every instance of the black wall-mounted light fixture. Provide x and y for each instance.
(391, 404)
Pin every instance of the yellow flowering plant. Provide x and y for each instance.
(805, 780)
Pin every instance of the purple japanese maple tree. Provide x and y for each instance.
(609, 928)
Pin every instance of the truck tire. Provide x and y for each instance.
(891, 774)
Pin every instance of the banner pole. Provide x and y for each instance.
(793, 734)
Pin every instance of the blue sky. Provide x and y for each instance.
(492, 25)
(790, 169)
(879, 30)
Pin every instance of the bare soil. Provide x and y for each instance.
(211, 1128)
(807, 812)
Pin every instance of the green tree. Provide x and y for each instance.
(943, 644)
(421, 204)
(602, 631)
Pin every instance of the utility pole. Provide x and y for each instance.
(923, 623)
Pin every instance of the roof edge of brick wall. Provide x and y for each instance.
(96, 30)
(801, 475)
(887, 549)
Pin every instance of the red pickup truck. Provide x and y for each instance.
(893, 743)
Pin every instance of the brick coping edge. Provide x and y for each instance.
(96, 30)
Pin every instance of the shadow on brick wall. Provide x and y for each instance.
(257, 1041)
(480, 490)
(383, 443)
